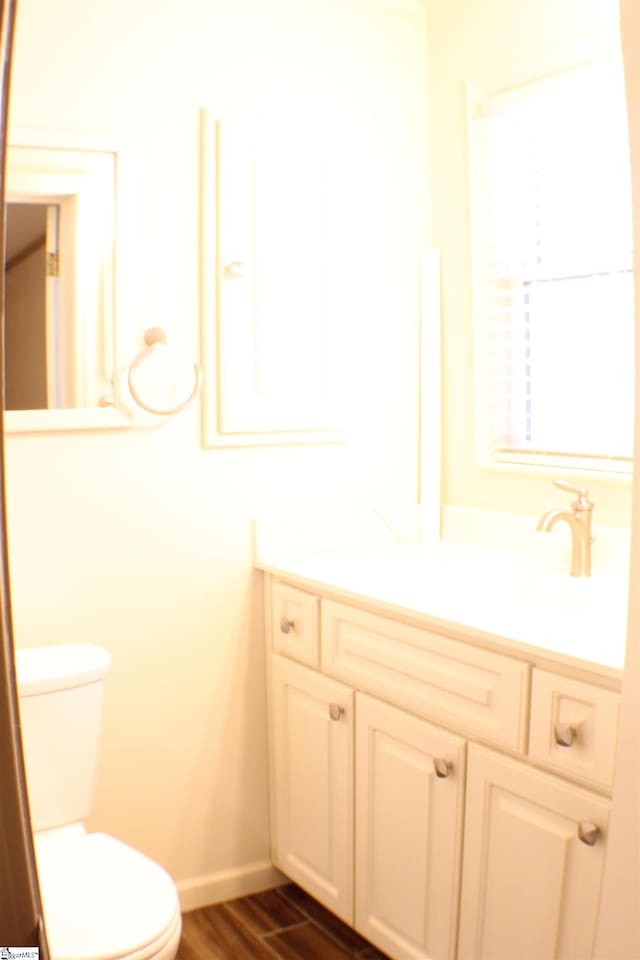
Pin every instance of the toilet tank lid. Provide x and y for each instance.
(45, 669)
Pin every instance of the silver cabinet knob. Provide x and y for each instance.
(442, 767)
(286, 625)
(336, 712)
(564, 734)
(234, 269)
(588, 832)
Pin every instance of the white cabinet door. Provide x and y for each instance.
(313, 764)
(408, 831)
(530, 885)
(267, 290)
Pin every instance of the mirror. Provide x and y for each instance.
(59, 287)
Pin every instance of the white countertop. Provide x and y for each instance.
(507, 601)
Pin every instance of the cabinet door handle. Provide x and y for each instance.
(442, 767)
(286, 625)
(564, 734)
(588, 832)
(336, 712)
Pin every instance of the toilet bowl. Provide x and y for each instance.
(102, 899)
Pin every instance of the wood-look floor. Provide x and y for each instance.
(284, 922)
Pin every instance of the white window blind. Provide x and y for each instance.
(555, 270)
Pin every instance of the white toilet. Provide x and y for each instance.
(102, 899)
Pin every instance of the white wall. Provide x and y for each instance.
(140, 540)
(494, 45)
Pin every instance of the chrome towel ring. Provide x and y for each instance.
(156, 339)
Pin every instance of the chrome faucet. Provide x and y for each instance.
(579, 521)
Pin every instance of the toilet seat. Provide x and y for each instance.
(103, 900)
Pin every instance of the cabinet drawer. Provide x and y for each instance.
(585, 716)
(294, 623)
(453, 683)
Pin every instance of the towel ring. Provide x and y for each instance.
(155, 338)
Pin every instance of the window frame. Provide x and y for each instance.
(486, 454)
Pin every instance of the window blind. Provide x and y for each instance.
(555, 271)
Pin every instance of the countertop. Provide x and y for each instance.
(506, 602)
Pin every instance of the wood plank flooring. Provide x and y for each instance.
(284, 922)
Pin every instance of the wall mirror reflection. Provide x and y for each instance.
(37, 376)
(59, 333)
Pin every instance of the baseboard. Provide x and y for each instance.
(226, 884)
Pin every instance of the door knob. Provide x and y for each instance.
(336, 712)
(588, 832)
(286, 625)
(442, 767)
(564, 734)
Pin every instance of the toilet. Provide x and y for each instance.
(102, 899)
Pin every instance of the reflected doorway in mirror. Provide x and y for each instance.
(38, 359)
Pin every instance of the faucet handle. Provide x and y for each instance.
(565, 485)
(583, 502)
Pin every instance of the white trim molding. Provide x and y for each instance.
(226, 884)
(430, 480)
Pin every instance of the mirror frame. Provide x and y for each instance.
(47, 167)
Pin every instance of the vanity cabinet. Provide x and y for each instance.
(392, 743)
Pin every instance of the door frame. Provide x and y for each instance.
(21, 917)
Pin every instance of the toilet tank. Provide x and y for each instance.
(60, 694)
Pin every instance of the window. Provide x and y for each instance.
(553, 262)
